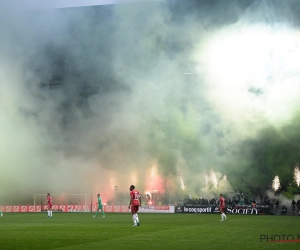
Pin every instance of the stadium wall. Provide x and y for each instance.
(242, 210)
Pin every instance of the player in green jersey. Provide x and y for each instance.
(100, 206)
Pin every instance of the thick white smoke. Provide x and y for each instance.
(94, 97)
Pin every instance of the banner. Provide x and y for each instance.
(31, 208)
(156, 209)
(196, 209)
(83, 208)
(143, 209)
(259, 210)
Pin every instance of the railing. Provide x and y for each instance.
(288, 210)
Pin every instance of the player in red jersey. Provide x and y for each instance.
(135, 203)
(222, 207)
(49, 201)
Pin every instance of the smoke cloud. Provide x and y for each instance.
(151, 93)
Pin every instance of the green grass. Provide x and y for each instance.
(157, 231)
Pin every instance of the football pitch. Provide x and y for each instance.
(157, 231)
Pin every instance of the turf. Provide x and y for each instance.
(157, 231)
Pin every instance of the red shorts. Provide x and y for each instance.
(49, 206)
(222, 210)
(134, 208)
